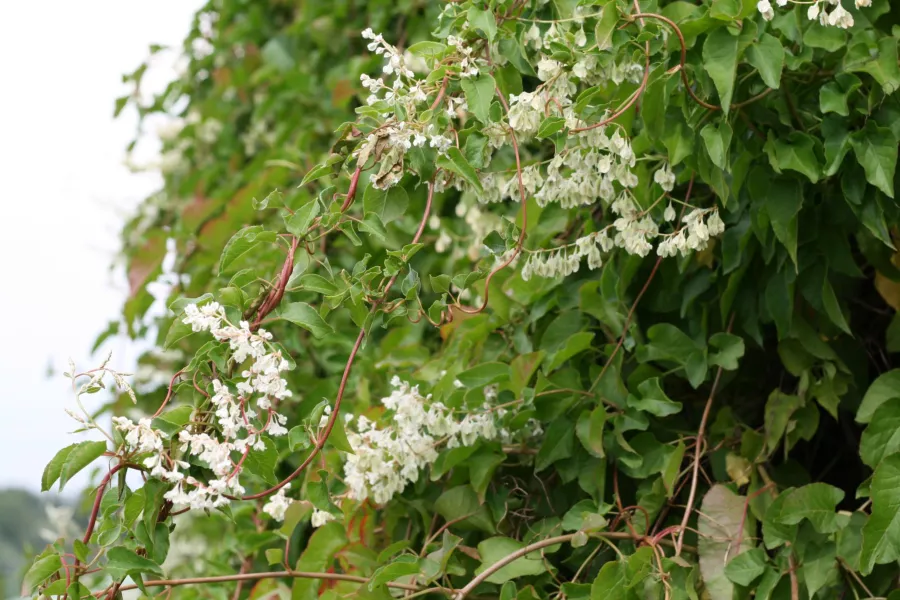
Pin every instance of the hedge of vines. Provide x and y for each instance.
(516, 299)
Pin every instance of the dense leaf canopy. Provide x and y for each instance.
(518, 299)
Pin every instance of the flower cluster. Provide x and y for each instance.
(818, 10)
(233, 432)
(385, 459)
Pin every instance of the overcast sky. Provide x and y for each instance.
(64, 193)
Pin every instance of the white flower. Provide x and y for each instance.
(548, 68)
(385, 460)
(278, 504)
(840, 17)
(715, 224)
(812, 12)
(204, 318)
(580, 38)
(781, 3)
(863, 3)
(765, 9)
(669, 213)
(665, 178)
(320, 517)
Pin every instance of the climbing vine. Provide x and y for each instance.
(518, 299)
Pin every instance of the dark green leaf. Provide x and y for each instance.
(304, 315)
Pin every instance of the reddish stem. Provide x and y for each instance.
(168, 394)
(521, 240)
(329, 426)
(92, 521)
(351, 191)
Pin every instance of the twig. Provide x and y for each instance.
(332, 419)
(698, 452)
(265, 575)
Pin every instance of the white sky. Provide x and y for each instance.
(63, 194)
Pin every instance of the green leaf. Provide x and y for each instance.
(550, 126)
(612, 582)
(833, 308)
(876, 150)
(39, 572)
(455, 162)
(817, 503)
(886, 387)
(882, 63)
(720, 51)
(122, 561)
(481, 469)
(298, 223)
(679, 141)
(559, 442)
(54, 468)
(574, 345)
(606, 26)
(744, 568)
(834, 94)
(462, 501)
(623, 579)
(882, 437)
(80, 456)
(779, 409)
(730, 348)
(717, 141)
(479, 93)
(389, 205)
(372, 225)
(589, 429)
(653, 399)
(783, 202)
(795, 153)
(274, 556)
(241, 243)
(403, 566)
(172, 420)
(319, 554)
(304, 315)
(881, 534)
(427, 49)
(767, 55)
(317, 283)
(776, 533)
(483, 21)
(322, 169)
(262, 462)
(494, 549)
(484, 374)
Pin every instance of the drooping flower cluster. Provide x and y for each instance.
(389, 143)
(233, 432)
(278, 504)
(386, 458)
(817, 10)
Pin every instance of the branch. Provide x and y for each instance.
(92, 521)
(560, 539)
(698, 452)
(265, 575)
(320, 442)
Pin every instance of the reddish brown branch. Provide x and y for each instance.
(277, 293)
(351, 191)
(329, 426)
(168, 394)
(92, 521)
(698, 453)
(524, 212)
